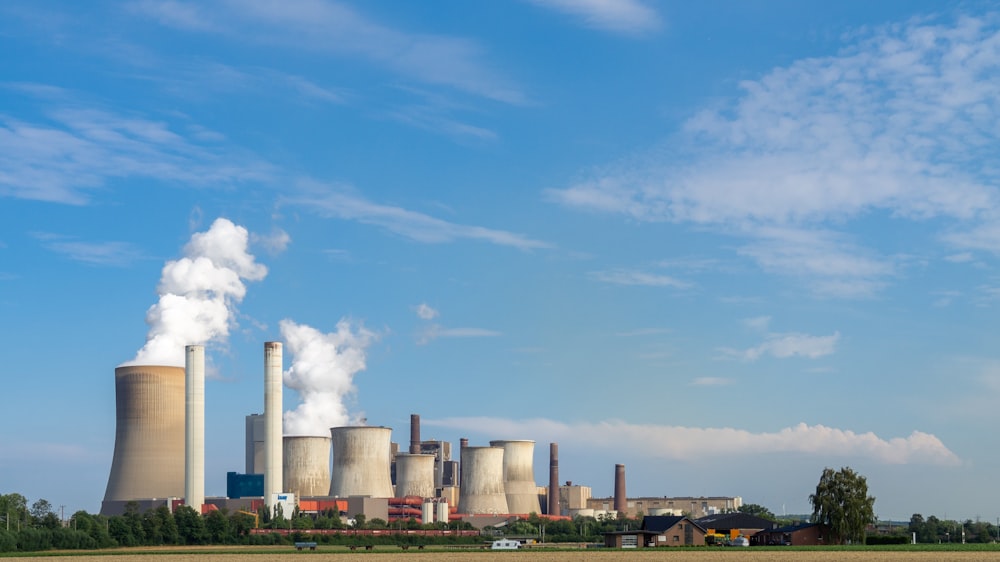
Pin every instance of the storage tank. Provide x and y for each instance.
(427, 512)
(414, 475)
(361, 459)
(148, 460)
(519, 476)
(442, 511)
(306, 465)
(481, 489)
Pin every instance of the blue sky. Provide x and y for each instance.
(726, 244)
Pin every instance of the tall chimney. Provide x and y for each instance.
(273, 469)
(414, 434)
(194, 426)
(463, 443)
(621, 504)
(554, 508)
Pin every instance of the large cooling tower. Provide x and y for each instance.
(273, 478)
(149, 434)
(361, 459)
(519, 476)
(306, 466)
(194, 433)
(414, 475)
(481, 488)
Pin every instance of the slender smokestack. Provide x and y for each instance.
(273, 470)
(621, 504)
(414, 434)
(194, 424)
(554, 479)
(463, 443)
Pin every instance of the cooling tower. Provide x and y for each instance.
(194, 420)
(621, 503)
(414, 475)
(306, 466)
(149, 434)
(554, 507)
(481, 490)
(272, 421)
(519, 476)
(361, 459)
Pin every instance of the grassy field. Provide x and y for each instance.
(384, 553)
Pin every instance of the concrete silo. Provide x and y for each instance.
(481, 489)
(273, 478)
(519, 476)
(306, 465)
(362, 456)
(194, 431)
(149, 434)
(414, 475)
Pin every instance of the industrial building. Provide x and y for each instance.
(159, 459)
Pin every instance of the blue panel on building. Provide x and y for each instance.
(244, 485)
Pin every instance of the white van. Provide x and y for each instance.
(505, 544)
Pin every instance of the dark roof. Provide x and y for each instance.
(790, 528)
(734, 521)
(660, 523)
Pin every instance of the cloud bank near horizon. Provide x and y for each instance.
(680, 443)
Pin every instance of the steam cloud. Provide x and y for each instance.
(198, 294)
(322, 372)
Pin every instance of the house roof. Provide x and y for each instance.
(660, 523)
(734, 521)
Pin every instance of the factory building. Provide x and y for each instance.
(255, 444)
(691, 506)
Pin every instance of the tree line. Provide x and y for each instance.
(38, 527)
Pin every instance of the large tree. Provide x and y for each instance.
(842, 503)
(756, 510)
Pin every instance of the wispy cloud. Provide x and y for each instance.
(81, 149)
(635, 277)
(343, 202)
(630, 17)
(664, 442)
(783, 346)
(273, 243)
(436, 331)
(711, 381)
(902, 123)
(334, 28)
(758, 323)
(118, 254)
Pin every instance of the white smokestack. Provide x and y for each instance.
(194, 424)
(198, 294)
(322, 372)
(273, 469)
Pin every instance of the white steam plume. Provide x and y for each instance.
(198, 294)
(322, 372)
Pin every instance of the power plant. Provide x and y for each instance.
(159, 458)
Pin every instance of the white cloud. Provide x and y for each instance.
(783, 346)
(425, 312)
(962, 257)
(901, 124)
(758, 323)
(634, 277)
(619, 16)
(663, 442)
(343, 203)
